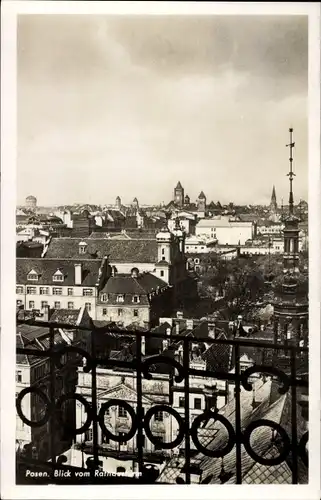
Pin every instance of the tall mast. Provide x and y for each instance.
(291, 174)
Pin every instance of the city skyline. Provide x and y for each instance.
(136, 94)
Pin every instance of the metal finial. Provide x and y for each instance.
(291, 174)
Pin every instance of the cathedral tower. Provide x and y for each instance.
(291, 291)
(179, 195)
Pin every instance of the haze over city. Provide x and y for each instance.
(110, 106)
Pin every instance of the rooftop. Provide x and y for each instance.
(138, 250)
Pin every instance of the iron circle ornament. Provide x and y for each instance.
(167, 409)
(47, 403)
(77, 397)
(118, 402)
(196, 425)
(302, 448)
(161, 359)
(277, 427)
(268, 370)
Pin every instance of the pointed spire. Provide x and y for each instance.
(179, 185)
(291, 174)
(201, 196)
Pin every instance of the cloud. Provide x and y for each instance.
(110, 106)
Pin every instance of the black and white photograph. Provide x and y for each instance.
(162, 250)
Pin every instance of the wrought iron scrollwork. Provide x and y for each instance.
(277, 427)
(160, 359)
(269, 370)
(204, 417)
(101, 418)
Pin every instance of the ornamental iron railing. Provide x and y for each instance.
(290, 371)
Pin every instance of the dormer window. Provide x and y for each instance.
(33, 276)
(82, 247)
(104, 297)
(58, 276)
(136, 299)
(120, 298)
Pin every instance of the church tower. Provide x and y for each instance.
(179, 195)
(273, 204)
(291, 309)
(201, 203)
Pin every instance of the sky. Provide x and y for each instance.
(130, 105)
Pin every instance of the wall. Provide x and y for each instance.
(77, 298)
(109, 312)
(226, 235)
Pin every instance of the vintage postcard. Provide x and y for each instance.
(160, 277)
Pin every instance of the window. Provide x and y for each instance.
(88, 306)
(32, 276)
(121, 434)
(82, 247)
(70, 305)
(19, 289)
(87, 292)
(197, 261)
(44, 290)
(70, 291)
(57, 291)
(120, 312)
(104, 312)
(44, 304)
(136, 299)
(136, 312)
(162, 273)
(31, 290)
(57, 305)
(197, 403)
(57, 277)
(181, 403)
(159, 416)
(120, 298)
(104, 297)
(122, 412)
(31, 304)
(18, 376)
(163, 251)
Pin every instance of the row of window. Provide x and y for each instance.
(104, 297)
(45, 290)
(120, 312)
(197, 403)
(35, 277)
(106, 440)
(57, 305)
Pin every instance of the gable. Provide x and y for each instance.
(124, 392)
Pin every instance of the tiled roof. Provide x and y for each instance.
(66, 316)
(47, 267)
(131, 250)
(261, 445)
(217, 356)
(126, 284)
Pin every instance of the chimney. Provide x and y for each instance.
(177, 328)
(78, 274)
(179, 315)
(211, 330)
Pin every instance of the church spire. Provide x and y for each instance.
(291, 174)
